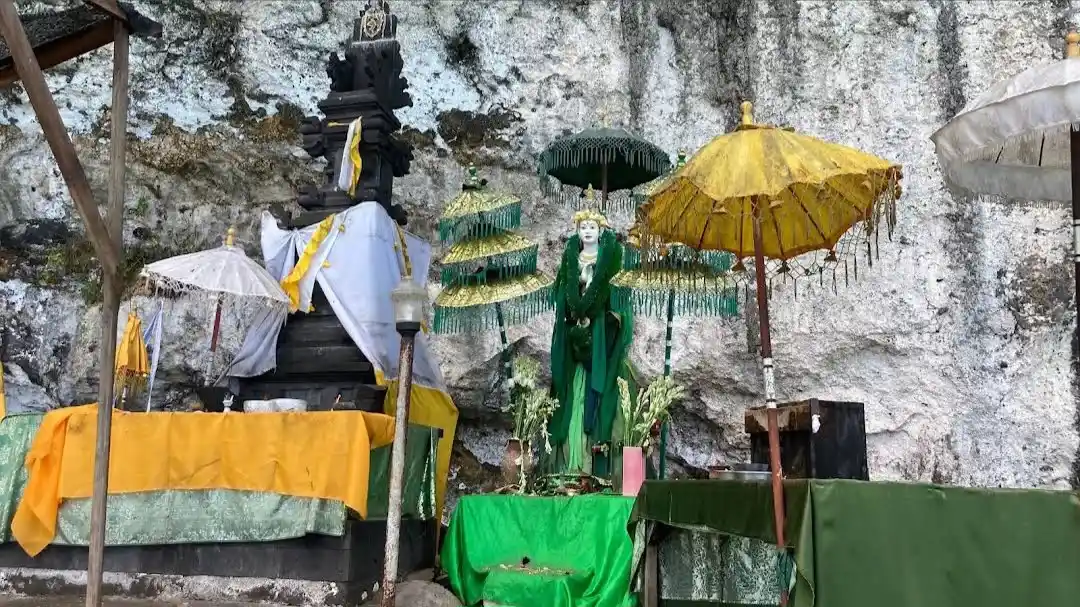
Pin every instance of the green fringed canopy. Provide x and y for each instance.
(477, 211)
(676, 257)
(579, 160)
(473, 308)
(653, 302)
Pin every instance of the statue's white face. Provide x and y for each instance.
(589, 232)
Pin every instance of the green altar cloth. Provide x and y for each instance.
(576, 551)
(218, 515)
(895, 544)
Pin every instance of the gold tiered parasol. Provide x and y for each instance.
(674, 280)
(770, 193)
(489, 275)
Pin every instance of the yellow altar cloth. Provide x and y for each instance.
(316, 454)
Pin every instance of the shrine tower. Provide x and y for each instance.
(316, 359)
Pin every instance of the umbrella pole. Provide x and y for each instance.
(1074, 163)
(667, 373)
(770, 386)
(603, 188)
(505, 353)
(214, 339)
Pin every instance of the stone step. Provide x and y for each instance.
(304, 360)
(314, 330)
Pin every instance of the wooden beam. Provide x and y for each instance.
(22, 55)
(64, 49)
(110, 310)
(111, 7)
(136, 23)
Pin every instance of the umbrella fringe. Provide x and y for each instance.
(654, 302)
(573, 151)
(495, 268)
(986, 152)
(679, 257)
(481, 224)
(484, 317)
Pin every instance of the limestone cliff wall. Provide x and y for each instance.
(958, 340)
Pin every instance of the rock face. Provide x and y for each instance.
(958, 340)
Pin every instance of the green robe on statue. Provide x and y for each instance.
(589, 347)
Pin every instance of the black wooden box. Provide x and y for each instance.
(836, 450)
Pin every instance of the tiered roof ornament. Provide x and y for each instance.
(365, 84)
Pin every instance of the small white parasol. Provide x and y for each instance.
(1014, 139)
(1021, 139)
(226, 274)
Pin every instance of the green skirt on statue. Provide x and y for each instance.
(575, 456)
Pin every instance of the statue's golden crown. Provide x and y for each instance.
(589, 213)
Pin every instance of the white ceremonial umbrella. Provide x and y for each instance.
(1021, 139)
(226, 274)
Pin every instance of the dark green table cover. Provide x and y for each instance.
(577, 548)
(896, 544)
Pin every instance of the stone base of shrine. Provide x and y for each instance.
(311, 570)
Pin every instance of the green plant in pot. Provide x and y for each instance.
(531, 408)
(651, 408)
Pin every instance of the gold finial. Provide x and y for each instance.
(230, 236)
(747, 113)
(1072, 45)
(590, 212)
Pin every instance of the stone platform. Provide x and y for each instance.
(311, 570)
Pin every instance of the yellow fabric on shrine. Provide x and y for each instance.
(291, 283)
(3, 401)
(132, 361)
(435, 409)
(322, 455)
(354, 157)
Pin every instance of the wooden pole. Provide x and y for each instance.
(408, 333)
(22, 55)
(110, 309)
(770, 385)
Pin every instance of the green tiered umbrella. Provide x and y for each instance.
(612, 158)
(489, 275)
(675, 280)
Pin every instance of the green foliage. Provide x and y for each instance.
(651, 407)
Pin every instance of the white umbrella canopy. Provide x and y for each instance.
(224, 275)
(1015, 139)
(224, 271)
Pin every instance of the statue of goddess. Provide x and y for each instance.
(589, 346)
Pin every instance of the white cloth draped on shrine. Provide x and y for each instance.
(357, 265)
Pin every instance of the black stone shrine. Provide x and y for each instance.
(317, 360)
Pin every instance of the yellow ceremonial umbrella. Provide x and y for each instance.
(132, 361)
(768, 192)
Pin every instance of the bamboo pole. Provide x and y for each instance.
(110, 310)
(397, 463)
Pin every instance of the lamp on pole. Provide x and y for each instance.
(410, 301)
